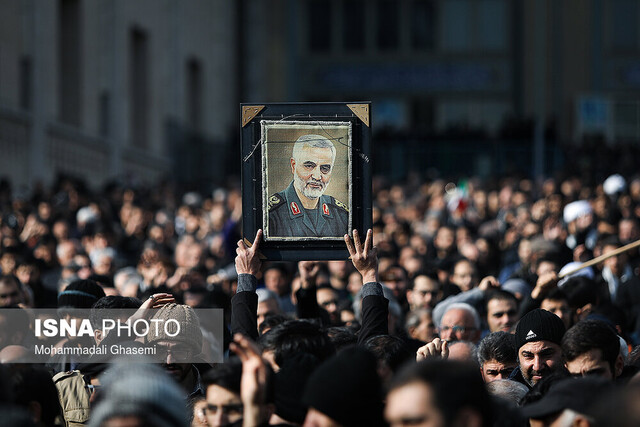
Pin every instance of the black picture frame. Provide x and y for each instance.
(269, 133)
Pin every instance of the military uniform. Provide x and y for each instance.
(288, 218)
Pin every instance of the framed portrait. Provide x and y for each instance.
(306, 177)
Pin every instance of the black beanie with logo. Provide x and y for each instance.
(539, 325)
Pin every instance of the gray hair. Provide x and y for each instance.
(511, 391)
(313, 141)
(466, 307)
(265, 294)
(413, 317)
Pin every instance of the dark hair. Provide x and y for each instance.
(609, 240)
(270, 321)
(8, 279)
(295, 336)
(499, 346)
(580, 291)
(556, 294)
(587, 335)
(501, 295)
(431, 275)
(226, 375)
(390, 350)
(34, 383)
(341, 337)
(455, 385)
(111, 301)
(102, 280)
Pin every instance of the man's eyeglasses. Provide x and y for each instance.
(455, 329)
(229, 410)
(179, 354)
(425, 293)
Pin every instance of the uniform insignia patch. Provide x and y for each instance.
(341, 205)
(325, 209)
(295, 209)
(274, 201)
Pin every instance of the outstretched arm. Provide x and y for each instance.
(375, 307)
(244, 304)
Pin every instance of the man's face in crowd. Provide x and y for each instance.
(223, 406)
(545, 267)
(539, 359)
(328, 299)
(615, 263)
(464, 276)
(426, 329)
(445, 239)
(266, 308)
(413, 405)
(628, 231)
(396, 281)
(172, 353)
(502, 314)
(9, 293)
(312, 171)
(560, 308)
(458, 325)
(592, 363)
(275, 281)
(493, 370)
(425, 293)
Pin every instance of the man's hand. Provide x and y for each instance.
(435, 349)
(488, 283)
(364, 258)
(155, 301)
(544, 285)
(247, 259)
(253, 385)
(308, 273)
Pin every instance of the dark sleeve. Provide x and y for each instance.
(375, 312)
(308, 308)
(244, 307)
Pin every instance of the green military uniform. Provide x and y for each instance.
(288, 218)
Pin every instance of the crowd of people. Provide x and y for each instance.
(465, 304)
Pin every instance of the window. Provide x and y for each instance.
(354, 25)
(319, 20)
(69, 63)
(138, 87)
(492, 26)
(423, 24)
(194, 94)
(103, 108)
(26, 82)
(387, 28)
(471, 25)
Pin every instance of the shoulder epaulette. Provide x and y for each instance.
(275, 201)
(339, 204)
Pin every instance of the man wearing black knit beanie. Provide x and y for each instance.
(538, 337)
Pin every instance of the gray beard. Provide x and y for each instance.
(309, 193)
